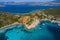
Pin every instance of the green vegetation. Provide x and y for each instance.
(54, 12)
(7, 18)
(1, 23)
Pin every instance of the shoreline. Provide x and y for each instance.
(3, 29)
(9, 25)
(33, 25)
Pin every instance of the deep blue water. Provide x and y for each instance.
(17, 9)
(49, 31)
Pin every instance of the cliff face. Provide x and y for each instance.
(7, 18)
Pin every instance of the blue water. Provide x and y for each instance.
(49, 31)
(18, 9)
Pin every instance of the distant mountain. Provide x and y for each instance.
(57, 1)
(50, 3)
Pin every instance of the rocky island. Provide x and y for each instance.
(30, 20)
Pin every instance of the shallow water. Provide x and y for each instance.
(49, 31)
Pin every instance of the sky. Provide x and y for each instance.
(25, 0)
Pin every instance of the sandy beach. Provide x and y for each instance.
(9, 25)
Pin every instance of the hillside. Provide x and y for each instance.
(27, 19)
(6, 18)
(55, 12)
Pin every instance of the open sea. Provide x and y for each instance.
(48, 31)
(21, 9)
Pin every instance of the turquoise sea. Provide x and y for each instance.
(48, 31)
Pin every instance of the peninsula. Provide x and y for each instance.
(30, 20)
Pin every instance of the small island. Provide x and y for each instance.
(30, 20)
